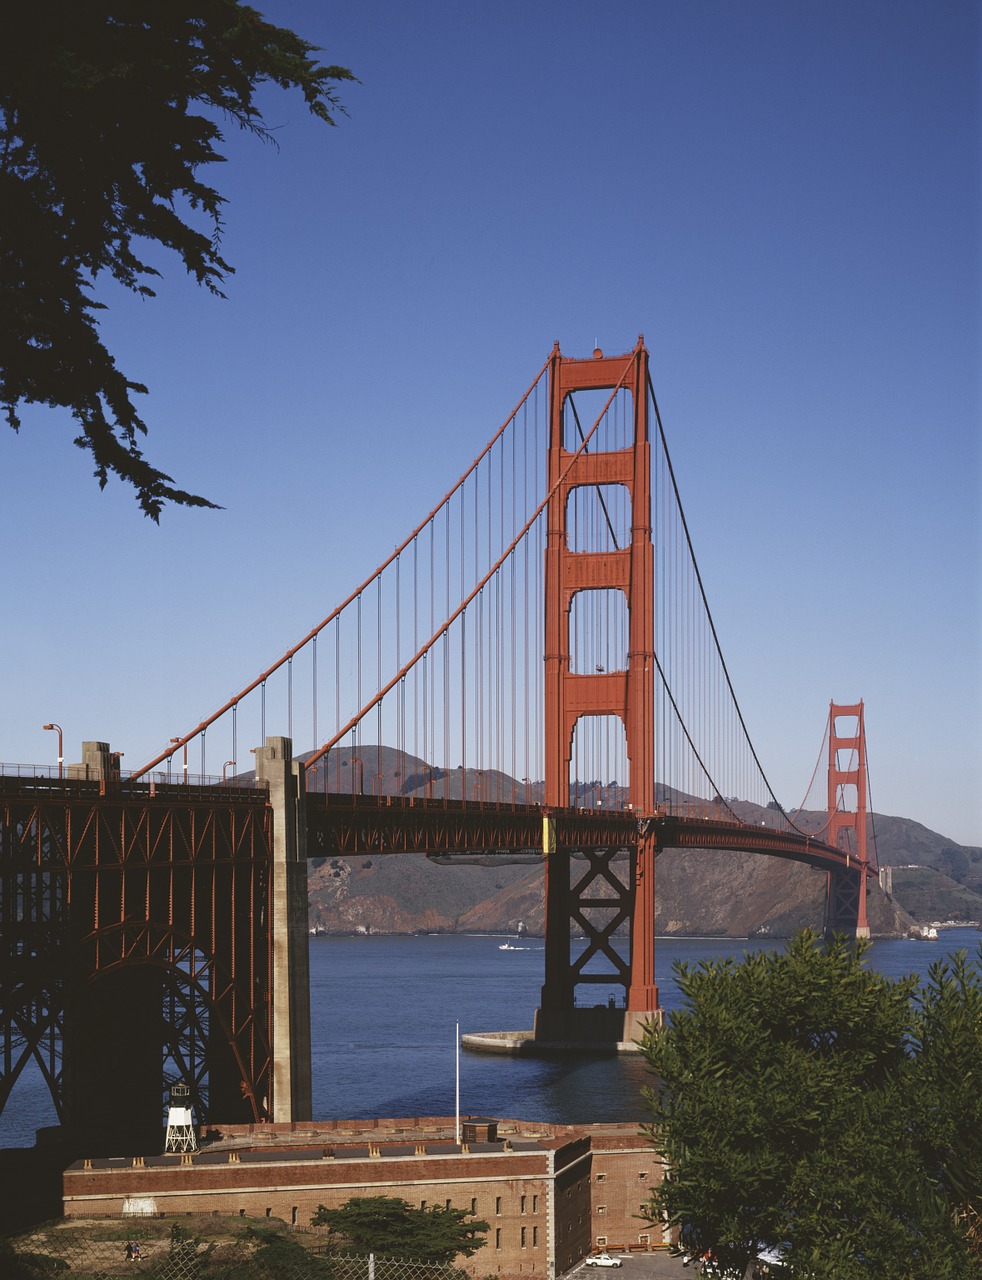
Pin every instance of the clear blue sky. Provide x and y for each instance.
(784, 198)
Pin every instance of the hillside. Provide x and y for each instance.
(699, 892)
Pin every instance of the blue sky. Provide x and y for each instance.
(784, 199)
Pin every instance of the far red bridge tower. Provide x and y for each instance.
(847, 825)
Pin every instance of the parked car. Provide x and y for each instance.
(603, 1260)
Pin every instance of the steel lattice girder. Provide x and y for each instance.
(346, 825)
(349, 825)
(704, 833)
(97, 877)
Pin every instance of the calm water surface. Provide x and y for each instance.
(383, 1015)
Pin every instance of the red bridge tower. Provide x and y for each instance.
(626, 694)
(846, 904)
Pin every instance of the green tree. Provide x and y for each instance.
(797, 1102)
(279, 1258)
(109, 109)
(947, 1040)
(390, 1226)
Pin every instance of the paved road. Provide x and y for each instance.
(658, 1265)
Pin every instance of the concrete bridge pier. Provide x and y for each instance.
(288, 925)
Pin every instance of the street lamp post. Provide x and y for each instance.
(61, 757)
(228, 764)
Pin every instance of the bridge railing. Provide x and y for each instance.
(76, 778)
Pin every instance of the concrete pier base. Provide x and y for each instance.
(596, 1032)
(523, 1044)
(291, 964)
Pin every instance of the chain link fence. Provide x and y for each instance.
(255, 1254)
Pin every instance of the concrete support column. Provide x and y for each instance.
(97, 763)
(290, 1033)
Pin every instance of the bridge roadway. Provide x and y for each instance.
(345, 825)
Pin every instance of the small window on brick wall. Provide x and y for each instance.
(601, 1208)
(497, 1204)
(643, 1175)
(497, 1237)
(473, 1204)
(601, 1177)
(601, 1242)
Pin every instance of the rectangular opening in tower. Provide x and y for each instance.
(583, 408)
(598, 518)
(598, 632)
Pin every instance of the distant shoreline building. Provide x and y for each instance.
(550, 1193)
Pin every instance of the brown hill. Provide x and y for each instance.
(699, 892)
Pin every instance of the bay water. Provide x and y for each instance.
(385, 1011)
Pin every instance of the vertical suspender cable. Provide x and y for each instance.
(398, 620)
(337, 702)
(418, 712)
(358, 651)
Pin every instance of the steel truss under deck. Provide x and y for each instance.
(136, 950)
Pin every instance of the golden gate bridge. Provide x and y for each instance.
(540, 656)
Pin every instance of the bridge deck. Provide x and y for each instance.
(340, 825)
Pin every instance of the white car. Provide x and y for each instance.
(603, 1260)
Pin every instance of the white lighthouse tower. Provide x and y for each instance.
(180, 1124)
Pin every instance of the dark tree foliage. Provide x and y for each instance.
(389, 1226)
(805, 1101)
(279, 1258)
(108, 112)
(947, 1038)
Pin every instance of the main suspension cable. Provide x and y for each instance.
(702, 592)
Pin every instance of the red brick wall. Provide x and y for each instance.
(625, 1171)
(602, 1174)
